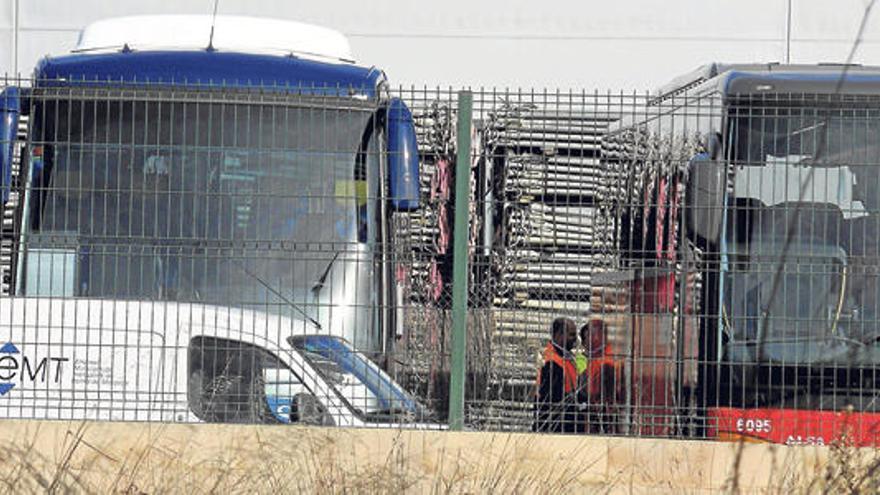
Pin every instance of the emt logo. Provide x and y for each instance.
(16, 368)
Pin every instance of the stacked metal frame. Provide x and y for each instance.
(540, 154)
(11, 218)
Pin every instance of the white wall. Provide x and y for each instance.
(636, 44)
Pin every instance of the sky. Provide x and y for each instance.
(581, 45)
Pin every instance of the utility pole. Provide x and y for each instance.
(15, 26)
(788, 32)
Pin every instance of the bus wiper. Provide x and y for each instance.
(279, 294)
(319, 284)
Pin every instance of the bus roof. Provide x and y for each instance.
(775, 78)
(210, 68)
(223, 33)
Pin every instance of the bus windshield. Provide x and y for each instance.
(805, 208)
(192, 200)
(776, 158)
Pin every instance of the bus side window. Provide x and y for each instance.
(235, 382)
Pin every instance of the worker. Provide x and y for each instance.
(557, 407)
(600, 378)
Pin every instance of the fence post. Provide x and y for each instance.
(460, 262)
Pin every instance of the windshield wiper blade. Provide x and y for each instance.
(319, 284)
(279, 294)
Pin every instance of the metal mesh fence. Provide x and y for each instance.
(693, 264)
(187, 253)
(532, 245)
(703, 246)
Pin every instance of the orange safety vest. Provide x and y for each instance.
(569, 372)
(593, 373)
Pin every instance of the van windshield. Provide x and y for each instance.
(362, 384)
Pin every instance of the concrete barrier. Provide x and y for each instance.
(151, 458)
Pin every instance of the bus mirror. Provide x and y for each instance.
(10, 108)
(705, 196)
(403, 157)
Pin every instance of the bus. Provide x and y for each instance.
(744, 204)
(199, 210)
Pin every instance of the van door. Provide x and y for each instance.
(82, 374)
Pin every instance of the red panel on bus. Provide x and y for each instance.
(794, 426)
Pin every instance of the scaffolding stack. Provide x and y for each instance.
(547, 177)
(10, 222)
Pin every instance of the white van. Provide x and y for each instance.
(73, 359)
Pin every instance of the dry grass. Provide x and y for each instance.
(150, 459)
(268, 460)
(838, 468)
